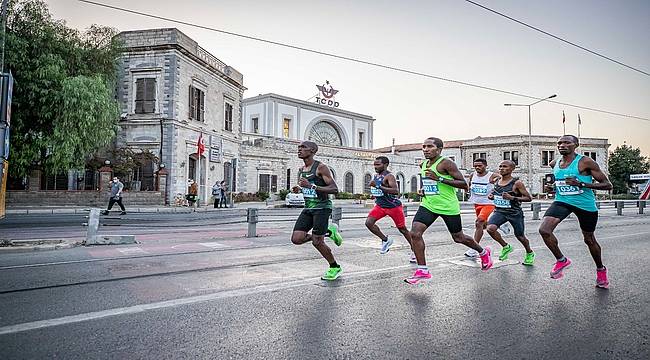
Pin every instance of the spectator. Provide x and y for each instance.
(216, 194)
(192, 192)
(116, 196)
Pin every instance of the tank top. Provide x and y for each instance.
(574, 195)
(480, 188)
(313, 198)
(506, 206)
(383, 200)
(438, 197)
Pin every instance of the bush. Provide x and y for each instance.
(361, 196)
(262, 195)
(246, 197)
(282, 194)
(623, 197)
(413, 196)
(342, 195)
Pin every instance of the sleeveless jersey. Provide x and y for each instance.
(313, 198)
(574, 195)
(438, 198)
(480, 188)
(383, 200)
(506, 206)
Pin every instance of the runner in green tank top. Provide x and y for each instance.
(440, 179)
(316, 183)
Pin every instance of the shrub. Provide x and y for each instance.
(262, 195)
(246, 197)
(342, 195)
(282, 194)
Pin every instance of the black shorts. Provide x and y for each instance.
(587, 219)
(427, 217)
(499, 218)
(317, 219)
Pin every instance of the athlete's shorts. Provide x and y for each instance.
(499, 218)
(587, 219)
(396, 213)
(316, 219)
(427, 217)
(483, 211)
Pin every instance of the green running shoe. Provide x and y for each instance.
(332, 274)
(505, 251)
(529, 259)
(334, 234)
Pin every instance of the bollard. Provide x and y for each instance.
(619, 207)
(337, 215)
(537, 207)
(641, 206)
(252, 219)
(597, 204)
(93, 226)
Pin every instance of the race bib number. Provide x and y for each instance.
(309, 193)
(500, 202)
(376, 192)
(564, 189)
(480, 189)
(430, 187)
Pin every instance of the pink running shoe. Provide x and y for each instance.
(486, 260)
(601, 279)
(418, 275)
(559, 266)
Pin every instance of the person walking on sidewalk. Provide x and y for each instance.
(116, 196)
(316, 183)
(216, 194)
(574, 184)
(224, 193)
(192, 193)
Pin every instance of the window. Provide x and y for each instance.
(288, 179)
(479, 156)
(197, 104)
(414, 183)
(268, 183)
(145, 96)
(591, 154)
(325, 133)
(361, 139)
(367, 178)
(547, 157)
(227, 113)
(511, 155)
(256, 125)
(228, 174)
(349, 183)
(286, 127)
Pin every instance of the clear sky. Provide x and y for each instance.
(446, 38)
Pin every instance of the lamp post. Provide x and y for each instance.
(530, 137)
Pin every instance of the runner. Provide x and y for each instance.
(384, 188)
(508, 194)
(440, 179)
(481, 183)
(574, 185)
(316, 183)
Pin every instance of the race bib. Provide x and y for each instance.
(480, 189)
(376, 192)
(564, 189)
(308, 193)
(430, 187)
(500, 202)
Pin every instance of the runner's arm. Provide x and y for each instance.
(521, 188)
(602, 183)
(392, 185)
(330, 187)
(451, 169)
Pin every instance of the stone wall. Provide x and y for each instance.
(80, 198)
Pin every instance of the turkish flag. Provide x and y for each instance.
(200, 145)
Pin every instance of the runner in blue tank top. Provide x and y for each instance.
(574, 185)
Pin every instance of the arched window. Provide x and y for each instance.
(325, 133)
(366, 183)
(414, 183)
(349, 183)
(333, 173)
(400, 182)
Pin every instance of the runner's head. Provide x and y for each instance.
(480, 165)
(307, 149)
(381, 164)
(506, 167)
(432, 147)
(567, 144)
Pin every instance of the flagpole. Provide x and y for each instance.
(579, 123)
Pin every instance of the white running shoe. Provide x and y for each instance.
(385, 245)
(471, 253)
(505, 229)
(413, 259)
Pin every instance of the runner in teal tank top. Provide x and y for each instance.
(574, 186)
(439, 180)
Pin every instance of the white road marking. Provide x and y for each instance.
(213, 245)
(132, 250)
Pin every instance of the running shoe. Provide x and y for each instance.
(471, 253)
(418, 276)
(413, 259)
(505, 251)
(505, 229)
(529, 259)
(334, 234)
(559, 266)
(601, 279)
(486, 260)
(123, 213)
(332, 274)
(385, 246)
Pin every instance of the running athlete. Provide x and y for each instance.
(508, 194)
(481, 183)
(574, 185)
(384, 188)
(316, 183)
(440, 179)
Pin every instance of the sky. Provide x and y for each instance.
(446, 38)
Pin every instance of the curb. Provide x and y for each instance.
(44, 247)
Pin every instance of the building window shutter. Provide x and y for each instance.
(274, 183)
(149, 95)
(139, 96)
(202, 106)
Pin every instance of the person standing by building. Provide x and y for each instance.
(224, 193)
(192, 193)
(316, 183)
(116, 196)
(574, 184)
(216, 194)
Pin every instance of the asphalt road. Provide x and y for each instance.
(235, 298)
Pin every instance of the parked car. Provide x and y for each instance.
(295, 200)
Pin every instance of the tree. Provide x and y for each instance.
(64, 108)
(623, 161)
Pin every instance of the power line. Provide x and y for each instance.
(557, 37)
(360, 61)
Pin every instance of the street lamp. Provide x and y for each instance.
(530, 136)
